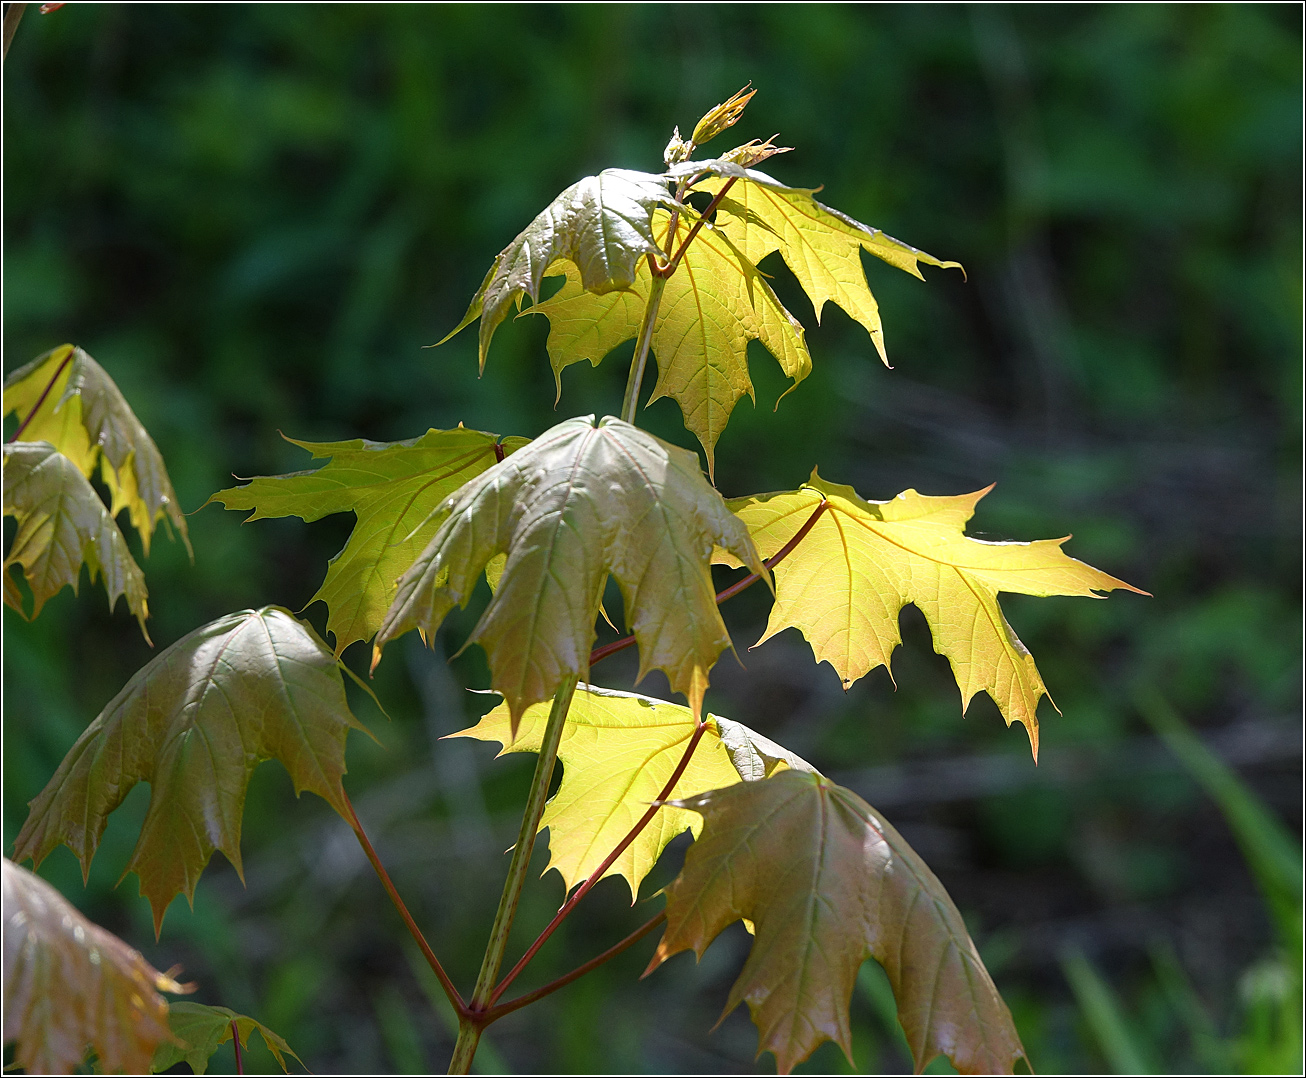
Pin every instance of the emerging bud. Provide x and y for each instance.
(721, 117)
(751, 153)
(677, 149)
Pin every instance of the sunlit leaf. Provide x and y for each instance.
(845, 583)
(62, 524)
(618, 750)
(392, 488)
(70, 986)
(820, 245)
(712, 306)
(602, 224)
(826, 883)
(200, 1030)
(580, 502)
(81, 412)
(194, 723)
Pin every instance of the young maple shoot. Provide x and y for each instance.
(819, 877)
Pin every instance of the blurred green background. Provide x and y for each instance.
(255, 217)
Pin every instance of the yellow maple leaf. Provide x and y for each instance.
(618, 750)
(713, 305)
(820, 245)
(845, 583)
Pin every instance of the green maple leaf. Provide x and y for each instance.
(68, 984)
(62, 524)
(84, 415)
(194, 723)
(826, 883)
(820, 245)
(712, 306)
(602, 224)
(580, 502)
(846, 581)
(392, 488)
(200, 1030)
(618, 750)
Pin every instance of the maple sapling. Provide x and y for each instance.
(819, 877)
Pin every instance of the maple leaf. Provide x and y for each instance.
(68, 984)
(200, 1030)
(392, 488)
(712, 306)
(194, 723)
(826, 883)
(603, 224)
(845, 583)
(618, 750)
(62, 524)
(820, 245)
(67, 399)
(579, 502)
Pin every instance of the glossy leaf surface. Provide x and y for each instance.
(194, 723)
(392, 488)
(63, 525)
(844, 585)
(618, 750)
(602, 224)
(84, 415)
(70, 986)
(826, 884)
(200, 1030)
(582, 501)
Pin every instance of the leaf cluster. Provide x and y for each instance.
(818, 876)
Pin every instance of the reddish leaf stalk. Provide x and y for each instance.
(734, 589)
(670, 267)
(597, 874)
(235, 1040)
(495, 1013)
(44, 393)
(414, 931)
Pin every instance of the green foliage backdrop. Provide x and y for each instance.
(254, 217)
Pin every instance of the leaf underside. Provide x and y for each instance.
(844, 585)
(618, 750)
(200, 1030)
(826, 883)
(603, 224)
(69, 984)
(194, 723)
(63, 525)
(393, 488)
(580, 502)
(85, 416)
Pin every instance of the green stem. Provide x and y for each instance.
(607, 863)
(471, 1024)
(640, 360)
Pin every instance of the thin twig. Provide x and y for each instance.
(734, 589)
(414, 931)
(498, 1012)
(44, 393)
(608, 861)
